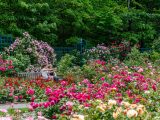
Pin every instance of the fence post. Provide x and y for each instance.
(81, 48)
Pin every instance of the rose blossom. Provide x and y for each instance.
(132, 113)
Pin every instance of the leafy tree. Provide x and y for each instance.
(98, 21)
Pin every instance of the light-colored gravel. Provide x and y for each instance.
(15, 106)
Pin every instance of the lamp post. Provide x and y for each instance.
(129, 21)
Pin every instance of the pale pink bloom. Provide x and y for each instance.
(3, 110)
(30, 108)
(140, 70)
(113, 68)
(42, 118)
(69, 103)
(109, 76)
(20, 88)
(10, 94)
(16, 97)
(39, 113)
(126, 67)
(12, 104)
(30, 118)
(85, 81)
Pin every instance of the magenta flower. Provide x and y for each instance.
(102, 78)
(154, 87)
(30, 91)
(48, 91)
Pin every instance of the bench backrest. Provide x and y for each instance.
(30, 75)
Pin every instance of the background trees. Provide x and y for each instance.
(63, 22)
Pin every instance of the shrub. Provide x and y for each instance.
(155, 58)
(65, 63)
(20, 62)
(105, 53)
(156, 45)
(135, 58)
(39, 52)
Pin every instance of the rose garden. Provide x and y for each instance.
(98, 89)
(111, 78)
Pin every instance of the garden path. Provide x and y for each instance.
(16, 106)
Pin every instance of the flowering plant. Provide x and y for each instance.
(6, 66)
(39, 52)
(106, 53)
(121, 92)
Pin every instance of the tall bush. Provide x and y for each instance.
(29, 51)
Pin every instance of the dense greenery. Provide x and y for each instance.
(63, 22)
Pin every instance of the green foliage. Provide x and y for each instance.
(156, 45)
(135, 58)
(155, 56)
(20, 62)
(98, 21)
(72, 41)
(65, 63)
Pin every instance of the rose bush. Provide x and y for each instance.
(116, 92)
(107, 53)
(6, 66)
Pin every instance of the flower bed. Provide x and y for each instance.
(120, 93)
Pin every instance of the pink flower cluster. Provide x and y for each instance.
(5, 65)
(85, 91)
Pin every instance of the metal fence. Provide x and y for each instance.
(61, 51)
(5, 41)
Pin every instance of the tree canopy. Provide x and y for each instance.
(63, 22)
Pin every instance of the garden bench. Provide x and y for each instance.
(30, 75)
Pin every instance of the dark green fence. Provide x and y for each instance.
(5, 41)
(61, 51)
(145, 50)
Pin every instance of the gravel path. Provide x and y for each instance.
(16, 106)
(23, 116)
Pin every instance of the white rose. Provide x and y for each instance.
(126, 104)
(147, 92)
(112, 102)
(132, 113)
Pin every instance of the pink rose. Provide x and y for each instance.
(102, 78)
(140, 70)
(30, 91)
